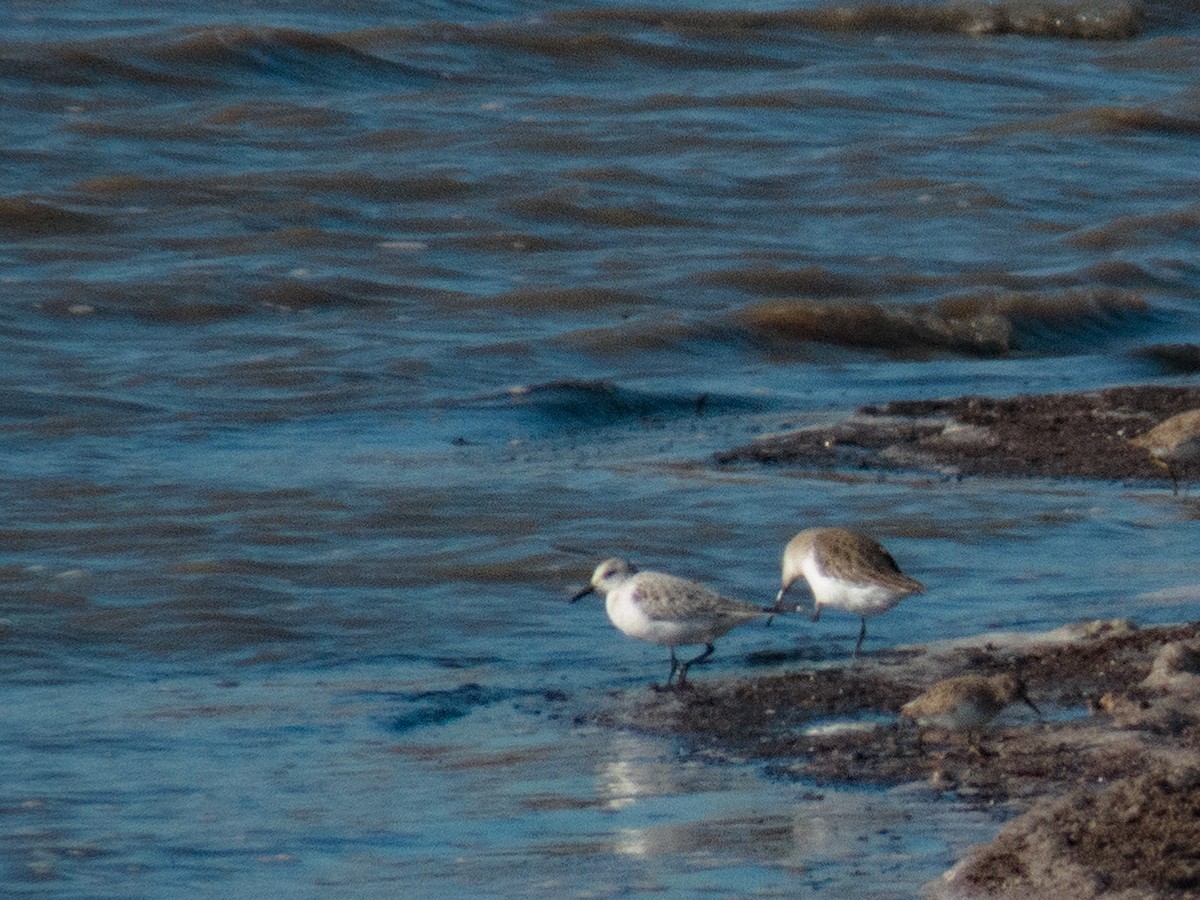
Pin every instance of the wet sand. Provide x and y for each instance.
(1106, 783)
(1104, 786)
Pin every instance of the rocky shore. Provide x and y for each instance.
(1108, 777)
(1084, 435)
(1104, 785)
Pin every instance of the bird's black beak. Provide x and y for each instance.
(779, 607)
(1024, 697)
(587, 590)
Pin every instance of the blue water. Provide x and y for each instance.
(341, 343)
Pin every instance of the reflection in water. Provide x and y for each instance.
(633, 842)
(635, 770)
(720, 817)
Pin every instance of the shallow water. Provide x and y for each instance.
(342, 343)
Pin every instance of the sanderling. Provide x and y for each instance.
(1173, 444)
(967, 702)
(666, 610)
(845, 570)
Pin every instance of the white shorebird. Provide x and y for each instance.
(666, 610)
(845, 570)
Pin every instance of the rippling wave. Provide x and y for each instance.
(341, 340)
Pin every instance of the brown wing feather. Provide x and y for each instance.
(855, 557)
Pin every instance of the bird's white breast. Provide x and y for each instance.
(862, 599)
(625, 613)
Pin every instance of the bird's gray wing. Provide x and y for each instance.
(665, 597)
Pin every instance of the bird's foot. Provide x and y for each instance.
(670, 688)
(979, 751)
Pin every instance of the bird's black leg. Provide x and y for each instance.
(779, 607)
(1174, 479)
(975, 745)
(709, 649)
(674, 668)
(862, 633)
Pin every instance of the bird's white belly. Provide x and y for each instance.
(630, 619)
(965, 714)
(1187, 451)
(859, 599)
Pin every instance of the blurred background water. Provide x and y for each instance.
(343, 339)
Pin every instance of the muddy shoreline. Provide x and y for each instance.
(1104, 786)
(1080, 435)
(1120, 723)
